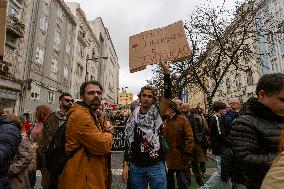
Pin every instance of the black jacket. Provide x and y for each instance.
(255, 139)
(10, 138)
(197, 129)
(217, 137)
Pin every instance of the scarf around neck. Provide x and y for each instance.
(149, 123)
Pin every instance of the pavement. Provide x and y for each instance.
(117, 182)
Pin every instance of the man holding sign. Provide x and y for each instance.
(143, 152)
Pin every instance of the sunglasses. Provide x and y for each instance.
(95, 92)
(69, 100)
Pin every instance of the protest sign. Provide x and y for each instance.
(163, 44)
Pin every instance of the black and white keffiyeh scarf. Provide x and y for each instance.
(149, 125)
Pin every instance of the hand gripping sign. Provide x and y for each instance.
(163, 44)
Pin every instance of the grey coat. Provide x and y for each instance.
(18, 170)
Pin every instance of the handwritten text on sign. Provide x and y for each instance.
(118, 139)
(162, 44)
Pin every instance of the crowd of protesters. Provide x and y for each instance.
(168, 142)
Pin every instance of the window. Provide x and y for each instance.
(79, 70)
(59, 13)
(249, 77)
(43, 23)
(12, 9)
(68, 47)
(228, 85)
(51, 97)
(66, 72)
(57, 36)
(282, 45)
(238, 82)
(275, 67)
(69, 28)
(272, 52)
(54, 68)
(39, 56)
(35, 91)
(80, 51)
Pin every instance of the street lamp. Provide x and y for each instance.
(93, 59)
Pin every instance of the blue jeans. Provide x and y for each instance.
(155, 175)
(216, 177)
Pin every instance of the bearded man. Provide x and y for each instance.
(90, 135)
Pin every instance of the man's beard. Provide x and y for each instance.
(94, 105)
(66, 107)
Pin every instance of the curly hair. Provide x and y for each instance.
(42, 112)
(153, 90)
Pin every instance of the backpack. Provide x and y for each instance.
(55, 155)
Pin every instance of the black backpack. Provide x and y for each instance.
(55, 155)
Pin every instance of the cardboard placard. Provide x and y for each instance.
(3, 12)
(163, 44)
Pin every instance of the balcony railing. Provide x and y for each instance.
(15, 28)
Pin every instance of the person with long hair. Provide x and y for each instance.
(41, 113)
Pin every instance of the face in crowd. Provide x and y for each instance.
(179, 104)
(274, 101)
(93, 96)
(66, 102)
(185, 108)
(147, 98)
(223, 111)
(234, 105)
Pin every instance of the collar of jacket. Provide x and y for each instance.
(255, 107)
(61, 115)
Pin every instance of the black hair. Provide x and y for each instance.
(63, 95)
(193, 111)
(270, 83)
(86, 83)
(153, 90)
(217, 106)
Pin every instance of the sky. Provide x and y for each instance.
(125, 18)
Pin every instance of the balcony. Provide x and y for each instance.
(81, 37)
(14, 27)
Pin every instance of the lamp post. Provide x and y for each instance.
(96, 60)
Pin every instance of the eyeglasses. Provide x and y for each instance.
(95, 92)
(69, 100)
(147, 95)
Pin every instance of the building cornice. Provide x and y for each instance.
(67, 10)
(82, 13)
(106, 31)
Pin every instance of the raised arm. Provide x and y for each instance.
(167, 88)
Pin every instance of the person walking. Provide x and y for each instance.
(218, 141)
(179, 137)
(89, 137)
(199, 134)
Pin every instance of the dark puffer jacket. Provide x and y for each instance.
(10, 138)
(255, 139)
